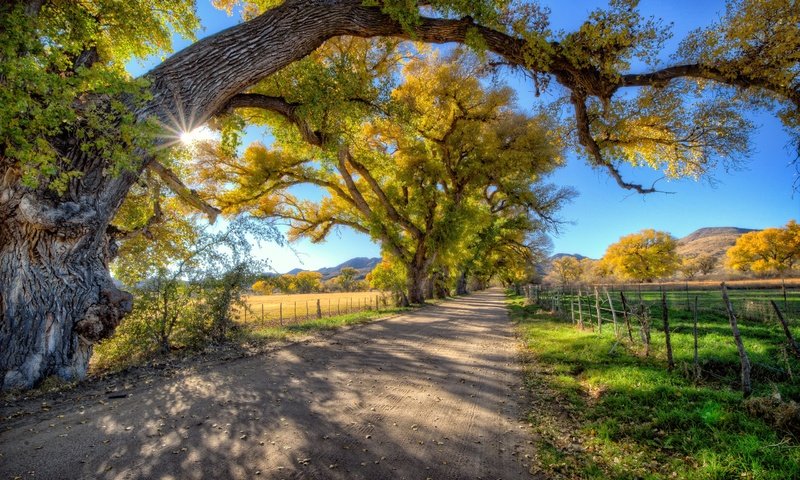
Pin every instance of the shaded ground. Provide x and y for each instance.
(431, 394)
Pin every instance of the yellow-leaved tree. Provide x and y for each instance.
(565, 270)
(644, 256)
(772, 251)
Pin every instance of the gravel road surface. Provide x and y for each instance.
(435, 393)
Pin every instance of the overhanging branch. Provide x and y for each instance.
(586, 139)
(186, 194)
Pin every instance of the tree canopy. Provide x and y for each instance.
(644, 256)
(768, 251)
(80, 137)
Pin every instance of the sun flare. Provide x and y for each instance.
(199, 134)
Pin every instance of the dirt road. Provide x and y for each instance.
(431, 394)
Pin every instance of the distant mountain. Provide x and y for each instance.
(364, 265)
(560, 255)
(713, 241)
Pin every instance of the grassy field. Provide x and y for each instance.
(602, 410)
(268, 333)
(271, 309)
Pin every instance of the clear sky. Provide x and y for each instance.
(758, 195)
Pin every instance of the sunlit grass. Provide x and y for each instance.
(637, 420)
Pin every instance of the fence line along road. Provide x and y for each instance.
(644, 316)
(288, 311)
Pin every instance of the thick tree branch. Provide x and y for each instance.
(660, 78)
(391, 211)
(277, 105)
(185, 193)
(586, 139)
(360, 201)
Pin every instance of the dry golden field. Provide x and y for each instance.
(280, 308)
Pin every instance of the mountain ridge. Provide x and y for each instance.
(363, 265)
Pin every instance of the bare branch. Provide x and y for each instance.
(185, 193)
(277, 105)
(662, 77)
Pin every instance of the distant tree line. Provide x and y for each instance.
(310, 282)
(651, 255)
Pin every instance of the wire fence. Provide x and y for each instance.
(648, 317)
(289, 311)
(750, 302)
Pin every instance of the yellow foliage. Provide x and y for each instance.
(566, 270)
(643, 256)
(772, 250)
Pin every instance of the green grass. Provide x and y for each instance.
(637, 420)
(288, 332)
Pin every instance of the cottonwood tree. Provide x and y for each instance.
(644, 256)
(411, 172)
(772, 251)
(566, 270)
(347, 278)
(514, 258)
(74, 125)
(306, 282)
(389, 276)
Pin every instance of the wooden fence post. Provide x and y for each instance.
(580, 310)
(613, 312)
(572, 309)
(597, 307)
(262, 313)
(665, 318)
(625, 315)
(743, 358)
(644, 319)
(280, 313)
(696, 358)
(688, 307)
(319, 310)
(783, 287)
(786, 331)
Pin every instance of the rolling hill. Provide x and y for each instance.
(364, 265)
(713, 241)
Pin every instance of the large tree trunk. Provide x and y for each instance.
(415, 284)
(56, 296)
(461, 283)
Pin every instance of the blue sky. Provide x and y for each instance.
(759, 194)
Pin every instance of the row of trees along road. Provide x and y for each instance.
(78, 134)
(423, 164)
(651, 255)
